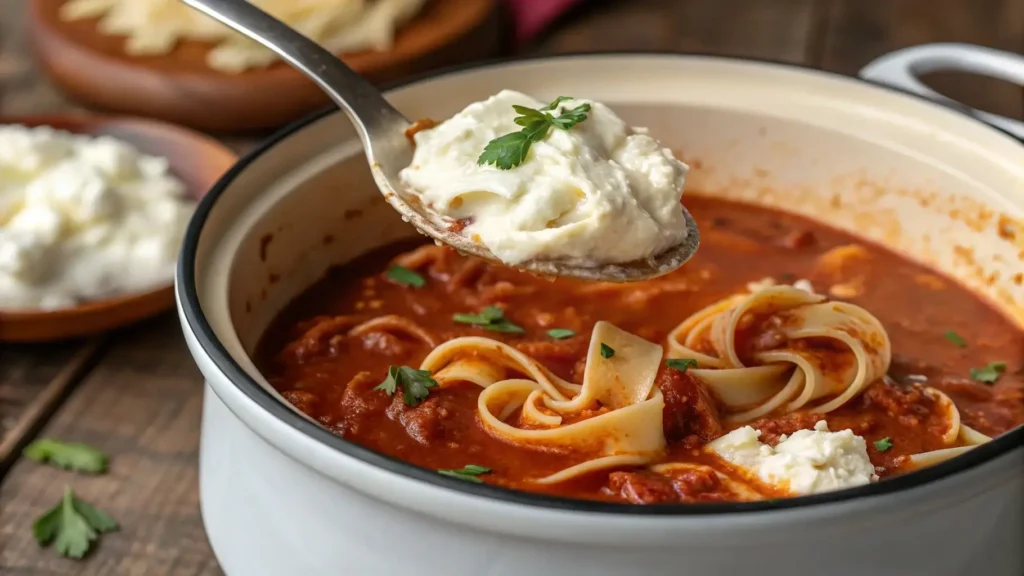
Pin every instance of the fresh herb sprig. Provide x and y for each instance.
(415, 384)
(67, 455)
(989, 373)
(883, 445)
(561, 333)
(607, 351)
(72, 526)
(405, 277)
(955, 338)
(469, 473)
(681, 364)
(490, 318)
(508, 151)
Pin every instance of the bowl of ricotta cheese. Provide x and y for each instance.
(92, 211)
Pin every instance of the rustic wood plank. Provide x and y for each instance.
(31, 387)
(861, 30)
(777, 30)
(142, 406)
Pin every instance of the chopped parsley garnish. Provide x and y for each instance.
(883, 444)
(415, 384)
(405, 277)
(561, 333)
(72, 525)
(67, 455)
(491, 318)
(508, 151)
(955, 338)
(989, 373)
(607, 351)
(681, 364)
(469, 473)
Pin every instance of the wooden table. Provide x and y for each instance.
(137, 394)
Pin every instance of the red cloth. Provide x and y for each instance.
(533, 16)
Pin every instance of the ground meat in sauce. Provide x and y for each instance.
(694, 485)
(689, 408)
(425, 423)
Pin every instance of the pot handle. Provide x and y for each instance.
(901, 69)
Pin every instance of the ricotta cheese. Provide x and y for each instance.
(597, 193)
(83, 218)
(808, 462)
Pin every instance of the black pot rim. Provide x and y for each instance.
(195, 320)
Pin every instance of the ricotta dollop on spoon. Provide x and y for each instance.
(565, 181)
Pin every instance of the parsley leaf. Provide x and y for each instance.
(67, 455)
(405, 277)
(72, 525)
(883, 444)
(681, 364)
(554, 103)
(415, 384)
(508, 151)
(989, 373)
(491, 318)
(561, 333)
(469, 473)
(607, 351)
(955, 338)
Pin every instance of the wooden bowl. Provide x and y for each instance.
(179, 87)
(195, 159)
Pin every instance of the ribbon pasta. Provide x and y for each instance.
(956, 433)
(825, 352)
(626, 429)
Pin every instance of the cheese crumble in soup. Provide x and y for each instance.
(754, 372)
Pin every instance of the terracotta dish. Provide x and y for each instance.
(179, 87)
(196, 159)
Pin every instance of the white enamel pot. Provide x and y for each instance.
(282, 496)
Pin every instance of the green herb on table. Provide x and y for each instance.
(67, 455)
(508, 151)
(470, 473)
(72, 526)
(989, 373)
(883, 444)
(491, 318)
(956, 339)
(607, 351)
(405, 277)
(415, 384)
(561, 333)
(681, 364)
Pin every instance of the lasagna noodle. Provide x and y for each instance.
(626, 430)
(956, 433)
(829, 351)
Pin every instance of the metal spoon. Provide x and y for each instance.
(382, 130)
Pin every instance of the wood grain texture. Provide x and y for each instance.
(142, 406)
(861, 30)
(142, 401)
(776, 30)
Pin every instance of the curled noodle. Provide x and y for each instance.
(782, 348)
(554, 413)
(956, 433)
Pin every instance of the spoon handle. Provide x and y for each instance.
(360, 100)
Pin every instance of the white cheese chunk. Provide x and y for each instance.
(598, 193)
(83, 218)
(808, 462)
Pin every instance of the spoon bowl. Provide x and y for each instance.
(382, 130)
